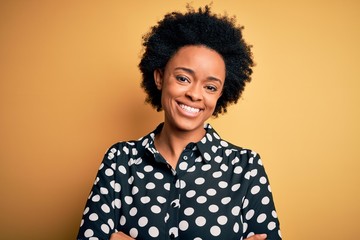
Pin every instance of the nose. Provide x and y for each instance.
(194, 92)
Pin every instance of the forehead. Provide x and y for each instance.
(198, 58)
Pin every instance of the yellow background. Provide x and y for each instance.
(69, 88)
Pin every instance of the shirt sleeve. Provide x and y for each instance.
(259, 214)
(103, 203)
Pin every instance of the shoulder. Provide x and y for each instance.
(132, 149)
(128, 148)
(216, 147)
(236, 156)
(233, 149)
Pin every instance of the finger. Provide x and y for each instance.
(120, 236)
(257, 237)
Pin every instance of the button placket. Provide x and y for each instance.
(172, 208)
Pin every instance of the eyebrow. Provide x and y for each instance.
(192, 72)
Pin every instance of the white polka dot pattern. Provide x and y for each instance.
(217, 191)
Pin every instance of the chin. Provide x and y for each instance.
(190, 125)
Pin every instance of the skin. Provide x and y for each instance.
(191, 84)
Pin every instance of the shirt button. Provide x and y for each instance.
(185, 157)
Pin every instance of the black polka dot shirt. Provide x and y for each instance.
(217, 191)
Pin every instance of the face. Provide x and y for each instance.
(191, 84)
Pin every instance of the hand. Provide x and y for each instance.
(122, 236)
(257, 237)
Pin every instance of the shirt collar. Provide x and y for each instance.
(208, 146)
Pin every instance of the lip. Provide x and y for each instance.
(189, 110)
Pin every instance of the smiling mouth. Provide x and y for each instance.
(189, 109)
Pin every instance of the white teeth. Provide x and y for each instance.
(189, 109)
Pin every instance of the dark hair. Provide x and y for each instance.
(201, 27)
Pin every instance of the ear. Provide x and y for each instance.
(158, 77)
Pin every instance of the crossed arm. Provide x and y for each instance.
(123, 236)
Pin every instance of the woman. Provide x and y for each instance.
(182, 181)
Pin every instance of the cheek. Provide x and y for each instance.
(174, 91)
(166, 97)
(215, 99)
(218, 99)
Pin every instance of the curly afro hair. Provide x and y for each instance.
(201, 27)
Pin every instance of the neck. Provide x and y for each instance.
(170, 142)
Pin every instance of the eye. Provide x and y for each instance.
(182, 79)
(211, 88)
